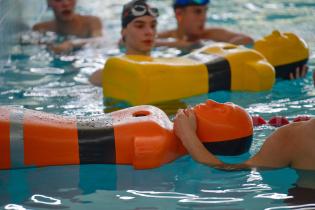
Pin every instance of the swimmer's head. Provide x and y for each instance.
(135, 9)
(63, 9)
(188, 12)
(138, 27)
(185, 3)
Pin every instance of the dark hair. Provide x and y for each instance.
(127, 15)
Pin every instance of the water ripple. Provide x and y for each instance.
(210, 200)
(42, 199)
(154, 194)
(299, 207)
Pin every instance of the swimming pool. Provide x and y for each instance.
(38, 80)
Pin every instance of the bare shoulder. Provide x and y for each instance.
(304, 145)
(167, 34)
(93, 24)
(44, 26)
(312, 123)
(304, 128)
(89, 19)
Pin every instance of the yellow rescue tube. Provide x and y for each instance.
(145, 80)
(285, 51)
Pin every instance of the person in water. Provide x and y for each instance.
(187, 34)
(292, 146)
(68, 22)
(138, 21)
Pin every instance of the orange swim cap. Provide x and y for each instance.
(224, 128)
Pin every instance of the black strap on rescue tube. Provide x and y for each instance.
(230, 147)
(284, 71)
(219, 71)
(96, 140)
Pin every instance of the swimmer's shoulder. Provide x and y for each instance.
(91, 20)
(94, 24)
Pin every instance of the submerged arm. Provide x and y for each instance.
(223, 35)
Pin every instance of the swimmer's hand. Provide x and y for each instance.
(300, 72)
(185, 126)
(241, 40)
(64, 47)
(185, 123)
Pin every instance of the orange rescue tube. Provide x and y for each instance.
(141, 136)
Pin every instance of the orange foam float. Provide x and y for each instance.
(141, 136)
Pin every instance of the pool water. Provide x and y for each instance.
(36, 79)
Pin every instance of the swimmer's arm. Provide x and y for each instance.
(277, 150)
(223, 35)
(70, 45)
(96, 78)
(176, 43)
(166, 34)
(275, 153)
(44, 26)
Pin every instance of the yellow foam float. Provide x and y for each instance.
(285, 51)
(139, 79)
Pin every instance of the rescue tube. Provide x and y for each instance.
(137, 79)
(140, 136)
(285, 51)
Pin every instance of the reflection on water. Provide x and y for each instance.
(176, 185)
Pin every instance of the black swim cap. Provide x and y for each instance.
(185, 3)
(135, 9)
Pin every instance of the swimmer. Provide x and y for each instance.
(187, 34)
(138, 32)
(68, 22)
(292, 145)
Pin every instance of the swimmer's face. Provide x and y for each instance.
(222, 120)
(139, 35)
(63, 9)
(192, 19)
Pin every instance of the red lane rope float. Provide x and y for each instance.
(277, 121)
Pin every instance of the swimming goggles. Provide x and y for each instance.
(190, 2)
(141, 10)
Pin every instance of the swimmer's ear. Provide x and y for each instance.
(179, 14)
(123, 35)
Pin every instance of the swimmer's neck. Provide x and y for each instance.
(136, 52)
